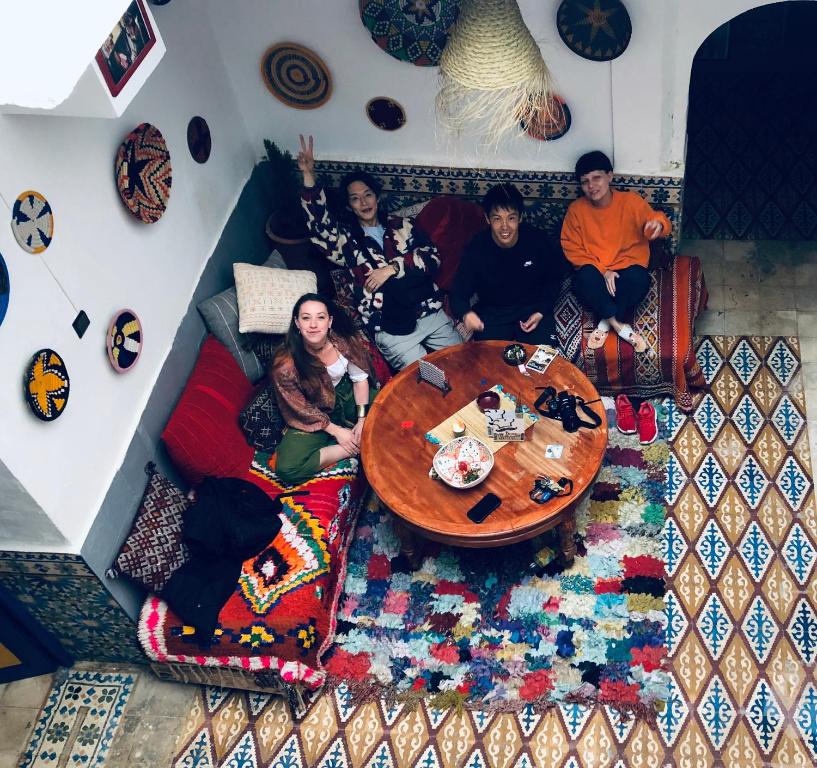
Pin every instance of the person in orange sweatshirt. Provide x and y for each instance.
(605, 236)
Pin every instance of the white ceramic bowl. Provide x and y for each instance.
(474, 452)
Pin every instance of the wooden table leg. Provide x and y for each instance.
(411, 545)
(567, 542)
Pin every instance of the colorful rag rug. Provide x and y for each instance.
(479, 628)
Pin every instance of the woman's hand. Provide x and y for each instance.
(377, 277)
(306, 161)
(357, 430)
(346, 439)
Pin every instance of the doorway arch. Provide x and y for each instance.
(751, 160)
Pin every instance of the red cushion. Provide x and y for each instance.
(203, 436)
(382, 372)
(450, 223)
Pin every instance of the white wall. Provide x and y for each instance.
(105, 260)
(633, 107)
(66, 36)
(21, 517)
(689, 29)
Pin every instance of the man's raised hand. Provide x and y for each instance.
(653, 229)
(306, 160)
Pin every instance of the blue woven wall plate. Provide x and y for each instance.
(5, 288)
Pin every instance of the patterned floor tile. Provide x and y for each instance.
(741, 548)
(78, 721)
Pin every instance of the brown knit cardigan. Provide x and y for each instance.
(307, 405)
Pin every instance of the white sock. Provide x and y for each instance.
(603, 326)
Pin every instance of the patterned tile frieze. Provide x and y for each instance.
(547, 193)
(42, 564)
(67, 598)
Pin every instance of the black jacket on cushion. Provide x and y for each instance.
(231, 521)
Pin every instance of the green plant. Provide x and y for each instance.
(283, 184)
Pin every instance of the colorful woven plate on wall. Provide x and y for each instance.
(296, 76)
(5, 288)
(46, 385)
(199, 141)
(415, 31)
(124, 340)
(551, 127)
(386, 113)
(143, 173)
(598, 30)
(32, 221)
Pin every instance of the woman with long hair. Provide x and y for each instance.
(323, 378)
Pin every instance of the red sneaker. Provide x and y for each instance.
(647, 423)
(625, 416)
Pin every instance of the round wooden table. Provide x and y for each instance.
(397, 456)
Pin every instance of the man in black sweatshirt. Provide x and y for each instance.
(515, 271)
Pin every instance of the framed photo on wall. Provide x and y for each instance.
(126, 47)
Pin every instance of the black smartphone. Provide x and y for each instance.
(487, 504)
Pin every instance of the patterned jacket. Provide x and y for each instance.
(307, 407)
(402, 245)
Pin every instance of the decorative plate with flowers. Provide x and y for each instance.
(464, 462)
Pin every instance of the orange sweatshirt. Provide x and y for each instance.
(611, 237)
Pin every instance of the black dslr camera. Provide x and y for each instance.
(562, 406)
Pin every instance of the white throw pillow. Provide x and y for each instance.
(267, 296)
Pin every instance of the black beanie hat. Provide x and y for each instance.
(592, 161)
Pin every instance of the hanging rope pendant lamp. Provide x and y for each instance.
(492, 74)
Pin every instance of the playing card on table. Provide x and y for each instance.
(554, 451)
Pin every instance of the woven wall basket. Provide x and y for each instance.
(492, 74)
(598, 30)
(46, 385)
(143, 173)
(415, 32)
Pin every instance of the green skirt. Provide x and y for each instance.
(297, 457)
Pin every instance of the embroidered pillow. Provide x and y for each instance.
(154, 548)
(266, 296)
(220, 314)
(262, 422)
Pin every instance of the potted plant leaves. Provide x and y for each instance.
(286, 224)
